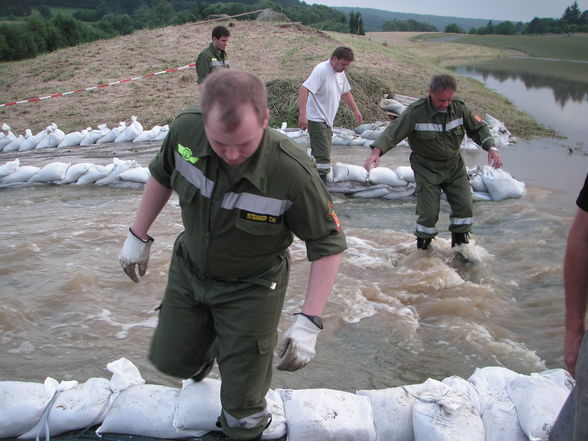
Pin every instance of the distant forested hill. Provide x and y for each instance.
(373, 19)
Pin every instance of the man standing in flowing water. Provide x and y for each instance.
(435, 127)
(214, 56)
(230, 267)
(318, 101)
(572, 422)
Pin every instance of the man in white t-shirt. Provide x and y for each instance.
(318, 101)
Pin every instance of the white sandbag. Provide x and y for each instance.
(327, 415)
(348, 172)
(371, 126)
(31, 142)
(148, 135)
(94, 135)
(22, 405)
(23, 174)
(481, 196)
(136, 174)
(376, 191)
(52, 138)
(477, 183)
(112, 134)
(383, 175)
(340, 140)
(52, 172)
(498, 412)
(371, 134)
(94, 173)
(278, 427)
(6, 136)
(71, 139)
(13, 145)
(130, 132)
(124, 375)
(357, 141)
(391, 105)
(447, 412)
(162, 133)
(9, 167)
(405, 173)
(82, 406)
(119, 167)
(400, 192)
(75, 171)
(392, 409)
(501, 185)
(559, 376)
(198, 405)
(145, 410)
(538, 400)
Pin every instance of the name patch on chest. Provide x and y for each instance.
(256, 217)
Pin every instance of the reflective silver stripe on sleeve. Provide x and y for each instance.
(249, 422)
(461, 220)
(427, 230)
(256, 203)
(194, 176)
(217, 63)
(453, 124)
(323, 166)
(428, 127)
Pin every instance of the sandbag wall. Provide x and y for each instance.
(493, 404)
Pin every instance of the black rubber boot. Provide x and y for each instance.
(423, 243)
(459, 239)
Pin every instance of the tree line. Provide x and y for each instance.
(573, 20)
(31, 28)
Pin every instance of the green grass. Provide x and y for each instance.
(566, 47)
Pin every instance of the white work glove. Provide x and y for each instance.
(296, 348)
(135, 252)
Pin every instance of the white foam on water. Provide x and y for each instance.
(105, 315)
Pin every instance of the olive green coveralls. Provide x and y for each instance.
(435, 138)
(229, 270)
(209, 60)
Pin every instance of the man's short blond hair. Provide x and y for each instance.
(230, 89)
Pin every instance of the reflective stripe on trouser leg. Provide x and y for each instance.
(246, 319)
(427, 209)
(459, 197)
(321, 136)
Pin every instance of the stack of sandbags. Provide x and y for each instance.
(380, 182)
(123, 173)
(493, 184)
(30, 410)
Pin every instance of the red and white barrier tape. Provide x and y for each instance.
(114, 83)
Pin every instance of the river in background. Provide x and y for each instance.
(396, 315)
(555, 92)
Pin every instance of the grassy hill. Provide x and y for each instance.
(374, 19)
(385, 62)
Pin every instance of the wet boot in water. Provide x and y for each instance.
(423, 243)
(459, 239)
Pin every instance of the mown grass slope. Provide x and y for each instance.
(385, 62)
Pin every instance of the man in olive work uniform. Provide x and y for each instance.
(214, 56)
(435, 127)
(244, 191)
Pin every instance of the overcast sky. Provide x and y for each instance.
(513, 10)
